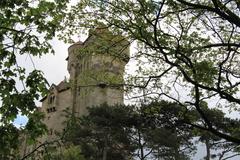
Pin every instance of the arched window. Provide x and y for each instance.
(51, 99)
(51, 103)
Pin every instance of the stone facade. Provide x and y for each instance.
(96, 69)
(96, 72)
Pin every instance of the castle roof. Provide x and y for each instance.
(62, 86)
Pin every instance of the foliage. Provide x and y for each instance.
(102, 133)
(192, 46)
(216, 146)
(9, 140)
(156, 130)
(124, 132)
(25, 30)
(73, 152)
(35, 128)
(187, 53)
(68, 152)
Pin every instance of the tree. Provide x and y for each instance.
(181, 120)
(192, 46)
(169, 135)
(26, 27)
(127, 132)
(68, 152)
(214, 143)
(103, 134)
(155, 130)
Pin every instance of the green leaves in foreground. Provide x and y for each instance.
(35, 127)
(9, 141)
(25, 30)
(206, 72)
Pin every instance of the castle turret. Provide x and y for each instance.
(96, 69)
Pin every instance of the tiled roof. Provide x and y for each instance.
(62, 86)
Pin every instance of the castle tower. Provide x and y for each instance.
(96, 69)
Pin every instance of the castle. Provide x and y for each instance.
(96, 68)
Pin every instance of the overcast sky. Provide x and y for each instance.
(54, 68)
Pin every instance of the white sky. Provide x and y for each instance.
(54, 68)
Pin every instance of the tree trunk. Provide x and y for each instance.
(141, 146)
(176, 153)
(207, 149)
(105, 149)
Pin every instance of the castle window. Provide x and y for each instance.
(52, 99)
(102, 84)
(52, 109)
(50, 132)
(79, 90)
(81, 68)
(84, 64)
